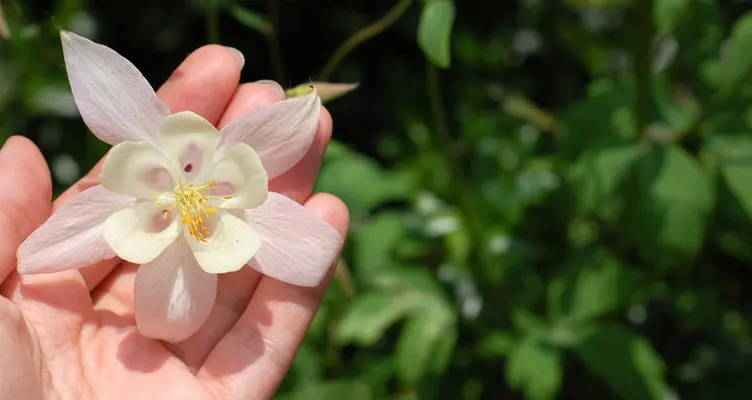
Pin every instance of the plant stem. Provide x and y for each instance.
(344, 277)
(643, 62)
(437, 102)
(275, 49)
(363, 35)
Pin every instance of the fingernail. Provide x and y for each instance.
(272, 85)
(6, 142)
(238, 54)
(267, 82)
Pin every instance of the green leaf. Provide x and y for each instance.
(435, 31)
(426, 343)
(371, 314)
(625, 361)
(733, 68)
(372, 256)
(597, 174)
(734, 156)
(306, 367)
(529, 323)
(496, 344)
(252, 19)
(361, 183)
(738, 177)
(669, 210)
(535, 369)
(601, 289)
(603, 119)
(678, 107)
(331, 390)
(601, 285)
(668, 13)
(405, 278)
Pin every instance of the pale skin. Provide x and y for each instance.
(72, 335)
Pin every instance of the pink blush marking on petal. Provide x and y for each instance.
(160, 220)
(222, 189)
(158, 178)
(191, 160)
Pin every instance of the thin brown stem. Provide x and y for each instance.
(364, 35)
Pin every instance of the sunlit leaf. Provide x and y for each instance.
(535, 369)
(597, 174)
(370, 315)
(734, 65)
(426, 343)
(600, 288)
(435, 31)
(672, 200)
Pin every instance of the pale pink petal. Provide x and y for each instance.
(114, 99)
(173, 295)
(281, 133)
(190, 140)
(229, 246)
(296, 246)
(138, 169)
(72, 236)
(239, 177)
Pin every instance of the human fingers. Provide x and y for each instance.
(25, 200)
(254, 356)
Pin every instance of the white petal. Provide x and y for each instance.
(137, 169)
(281, 133)
(140, 233)
(72, 236)
(231, 244)
(114, 99)
(173, 296)
(239, 172)
(190, 140)
(296, 246)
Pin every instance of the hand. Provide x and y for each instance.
(72, 335)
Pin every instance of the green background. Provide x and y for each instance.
(549, 199)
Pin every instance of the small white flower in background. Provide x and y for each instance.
(181, 198)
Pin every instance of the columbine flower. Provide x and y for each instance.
(180, 198)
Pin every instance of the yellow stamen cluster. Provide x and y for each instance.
(194, 208)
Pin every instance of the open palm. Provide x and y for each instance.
(72, 335)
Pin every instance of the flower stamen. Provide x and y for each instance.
(193, 205)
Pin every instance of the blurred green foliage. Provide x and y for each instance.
(550, 199)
